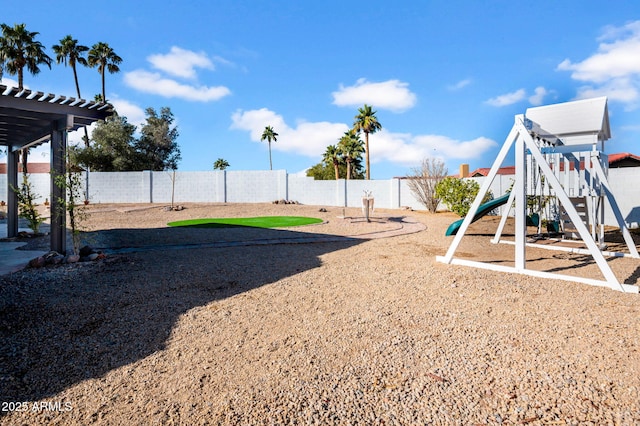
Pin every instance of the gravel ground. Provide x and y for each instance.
(352, 331)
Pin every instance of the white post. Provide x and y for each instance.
(483, 190)
(521, 203)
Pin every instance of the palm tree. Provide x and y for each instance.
(332, 156)
(19, 49)
(367, 122)
(103, 56)
(351, 148)
(220, 164)
(72, 53)
(269, 135)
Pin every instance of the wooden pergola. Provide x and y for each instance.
(28, 119)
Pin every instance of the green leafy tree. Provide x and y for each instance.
(458, 194)
(19, 49)
(157, 148)
(112, 149)
(351, 149)
(325, 171)
(367, 122)
(269, 135)
(321, 171)
(103, 56)
(220, 164)
(333, 157)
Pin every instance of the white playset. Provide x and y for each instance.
(560, 161)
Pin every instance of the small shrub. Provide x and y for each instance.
(458, 194)
(26, 207)
(73, 205)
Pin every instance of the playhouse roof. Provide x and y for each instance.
(583, 117)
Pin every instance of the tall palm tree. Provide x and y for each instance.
(103, 56)
(71, 53)
(333, 156)
(351, 148)
(367, 122)
(19, 49)
(269, 135)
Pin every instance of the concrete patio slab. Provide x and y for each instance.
(13, 260)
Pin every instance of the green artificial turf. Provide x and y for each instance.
(256, 222)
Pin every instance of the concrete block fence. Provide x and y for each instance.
(267, 186)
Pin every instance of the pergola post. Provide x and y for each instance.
(58, 192)
(12, 198)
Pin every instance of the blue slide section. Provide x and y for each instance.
(482, 210)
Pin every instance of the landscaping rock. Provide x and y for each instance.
(93, 256)
(85, 251)
(37, 262)
(72, 258)
(53, 258)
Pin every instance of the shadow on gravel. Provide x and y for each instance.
(62, 325)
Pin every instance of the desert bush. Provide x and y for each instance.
(424, 179)
(458, 194)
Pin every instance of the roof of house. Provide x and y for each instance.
(624, 157)
(484, 171)
(614, 160)
(31, 168)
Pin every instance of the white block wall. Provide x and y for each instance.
(265, 186)
(39, 183)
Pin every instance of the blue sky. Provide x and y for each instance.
(445, 77)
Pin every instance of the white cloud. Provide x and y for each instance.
(612, 60)
(135, 115)
(459, 85)
(311, 139)
(538, 97)
(507, 99)
(407, 149)
(181, 62)
(393, 95)
(621, 89)
(613, 70)
(11, 83)
(154, 83)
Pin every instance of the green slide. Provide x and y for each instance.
(482, 210)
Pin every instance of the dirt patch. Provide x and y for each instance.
(351, 331)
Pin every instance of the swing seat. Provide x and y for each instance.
(553, 227)
(533, 220)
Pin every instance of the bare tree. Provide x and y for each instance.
(423, 181)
